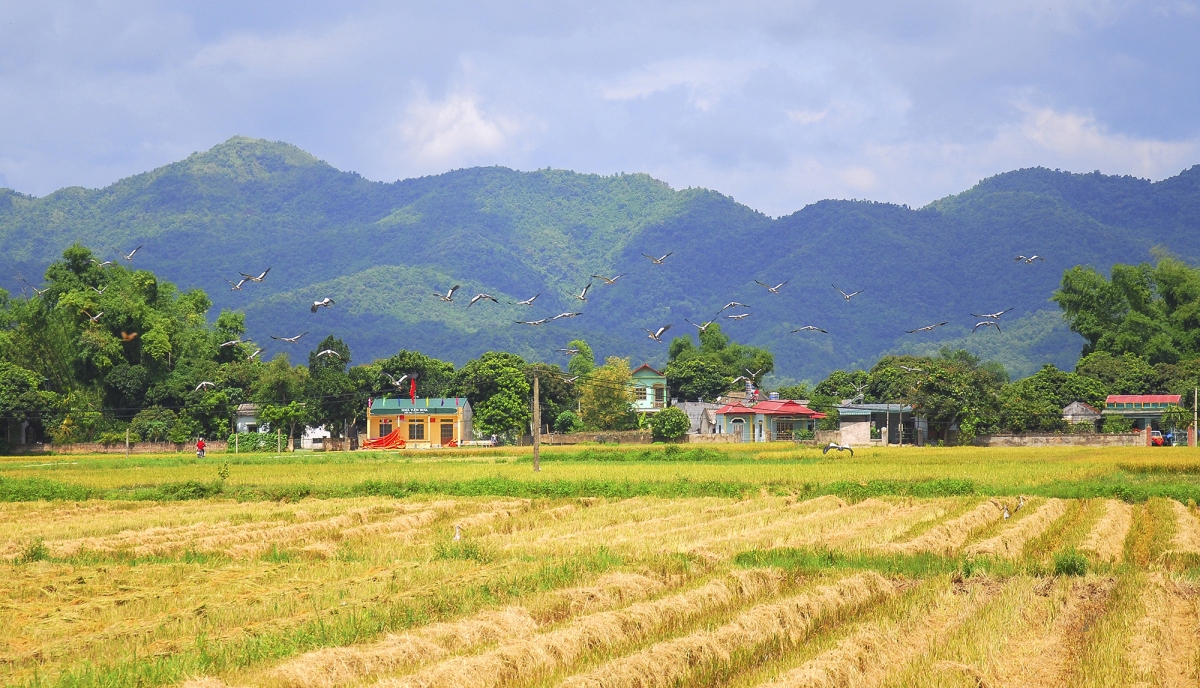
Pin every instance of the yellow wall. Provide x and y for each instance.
(433, 430)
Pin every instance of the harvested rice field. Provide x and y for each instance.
(1055, 581)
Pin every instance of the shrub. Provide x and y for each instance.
(252, 442)
(670, 423)
(1070, 563)
(34, 550)
(1117, 424)
(806, 434)
(568, 421)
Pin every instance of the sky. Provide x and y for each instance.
(777, 104)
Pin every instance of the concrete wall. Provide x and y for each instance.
(1128, 439)
(824, 437)
(698, 438)
(138, 448)
(856, 432)
(611, 437)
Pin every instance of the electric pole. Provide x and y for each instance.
(537, 427)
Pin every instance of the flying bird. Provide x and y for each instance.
(738, 316)
(325, 302)
(582, 296)
(99, 264)
(703, 327)
(733, 304)
(608, 280)
(658, 261)
(235, 287)
(928, 328)
(1030, 259)
(741, 378)
(809, 328)
(482, 297)
(911, 370)
(527, 302)
(394, 381)
(204, 384)
(253, 355)
(774, 289)
(328, 352)
(290, 340)
(569, 352)
(839, 447)
(986, 323)
(37, 291)
(565, 315)
(99, 291)
(231, 342)
(129, 256)
(570, 380)
(128, 336)
(449, 296)
(991, 316)
(543, 321)
(657, 335)
(94, 318)
(755, 374)
(262, 275)
(845, 295)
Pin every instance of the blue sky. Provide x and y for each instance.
(776, 104)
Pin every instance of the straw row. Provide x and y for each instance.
(948, 537)
(1162, 651)
(600, 633)
(1106, 540)
(812, 526)
(1011, 541)
(1187, 530)
(781, 624)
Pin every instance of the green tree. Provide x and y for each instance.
(1125, 373)
(956, 387)
(499, 393)
(731, 360)
(568, 421)
(606, 397)
(330, 390)
(434, 378)
(1036, 402)
(153, 424)
(696, 378)
(670, 423)
(583, 362)
(280, 393)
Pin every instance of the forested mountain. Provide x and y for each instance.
(380, 250)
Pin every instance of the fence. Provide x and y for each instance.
(613, 437)
(720, 438)
(1124, 439)
(137, 448)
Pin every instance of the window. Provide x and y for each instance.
(416, 429)
(660, 395)
(385, 427)
(447, 431)
(251, 428)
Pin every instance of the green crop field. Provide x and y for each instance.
(613, 566)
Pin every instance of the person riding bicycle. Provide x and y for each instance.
(200, 448)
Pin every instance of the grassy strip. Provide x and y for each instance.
(38, 489)
(811, 561)
(331, 628)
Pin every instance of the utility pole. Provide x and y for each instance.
(537, 427)
(127, 443)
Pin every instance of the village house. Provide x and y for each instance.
(649, 389)
(766, 421)
(862, 423)
(1144, 410)
(1078, 412)
(421, 424)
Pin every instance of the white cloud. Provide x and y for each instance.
(454, 130)
(293, 54)
(807, 116)
(707, 80)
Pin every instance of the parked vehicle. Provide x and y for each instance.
(1157, 439)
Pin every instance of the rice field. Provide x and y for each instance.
(772, 586)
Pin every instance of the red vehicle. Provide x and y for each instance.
(1156, 439)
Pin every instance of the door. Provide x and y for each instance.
(738, 426)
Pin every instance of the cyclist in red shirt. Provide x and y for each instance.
(200, 448)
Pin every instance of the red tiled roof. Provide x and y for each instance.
(782, 407)
(1143, 399)
(647, 367)
(734, 408)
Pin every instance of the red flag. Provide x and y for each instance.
(412, 389)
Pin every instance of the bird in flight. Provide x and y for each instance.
(394, 381)
(1030, 259)
(325, 302)
(658, 261)
(754, 375)
(910, 369)
(235, 287)
(204, 384)
(839, 447)
(99, 264)
(991, 316)
(449, 296)
(582, 296)
(656, 335)
(809, 328)
(482, 297)
(703, 327)
(733, 304)
(570, 380)
(986, 323)
(774, 289)
(129, 256)
(94, 318)
(928, 328)
(100, 291)
(608, 280)
(262, 275)
(128, 336)
(741, 378)
(569, 352)
(253, 355)
(37, 291)
(328, 352)
(231, 342)
(290, 340)
(565, 315)
(527, 302)
(845, 295)
(543, 321)
(738, 316)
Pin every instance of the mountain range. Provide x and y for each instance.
(381, 251)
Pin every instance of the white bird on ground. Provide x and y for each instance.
(261, 276)
(99, 264)
(129, 256)
(582, 296)
(94, 318)
(566, 315)
(845, 295)
(543, 321)
(738, 316)
(1020, 502)
(656, 335)
(290, 340)
(774, 289)
(608, 280)
(482, 297)
(235, 287)
(991, 316)
(328, 352)
(204, 384)
(1006, 514)
(325, 302)
(449, 296)
(394, 381)
(986, 323)
(100, 291)
(839, 447)
(231, 342)
(703, 327)
(658, 261)
(457, 532)
(252, 356)
(1030, 259)
(809, 328)
(733, 304)
(928, 328)
(527, 302)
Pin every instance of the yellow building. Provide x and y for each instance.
(399, 423)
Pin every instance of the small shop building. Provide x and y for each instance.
(861, 424)
(1144, 410)
(421, 424)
